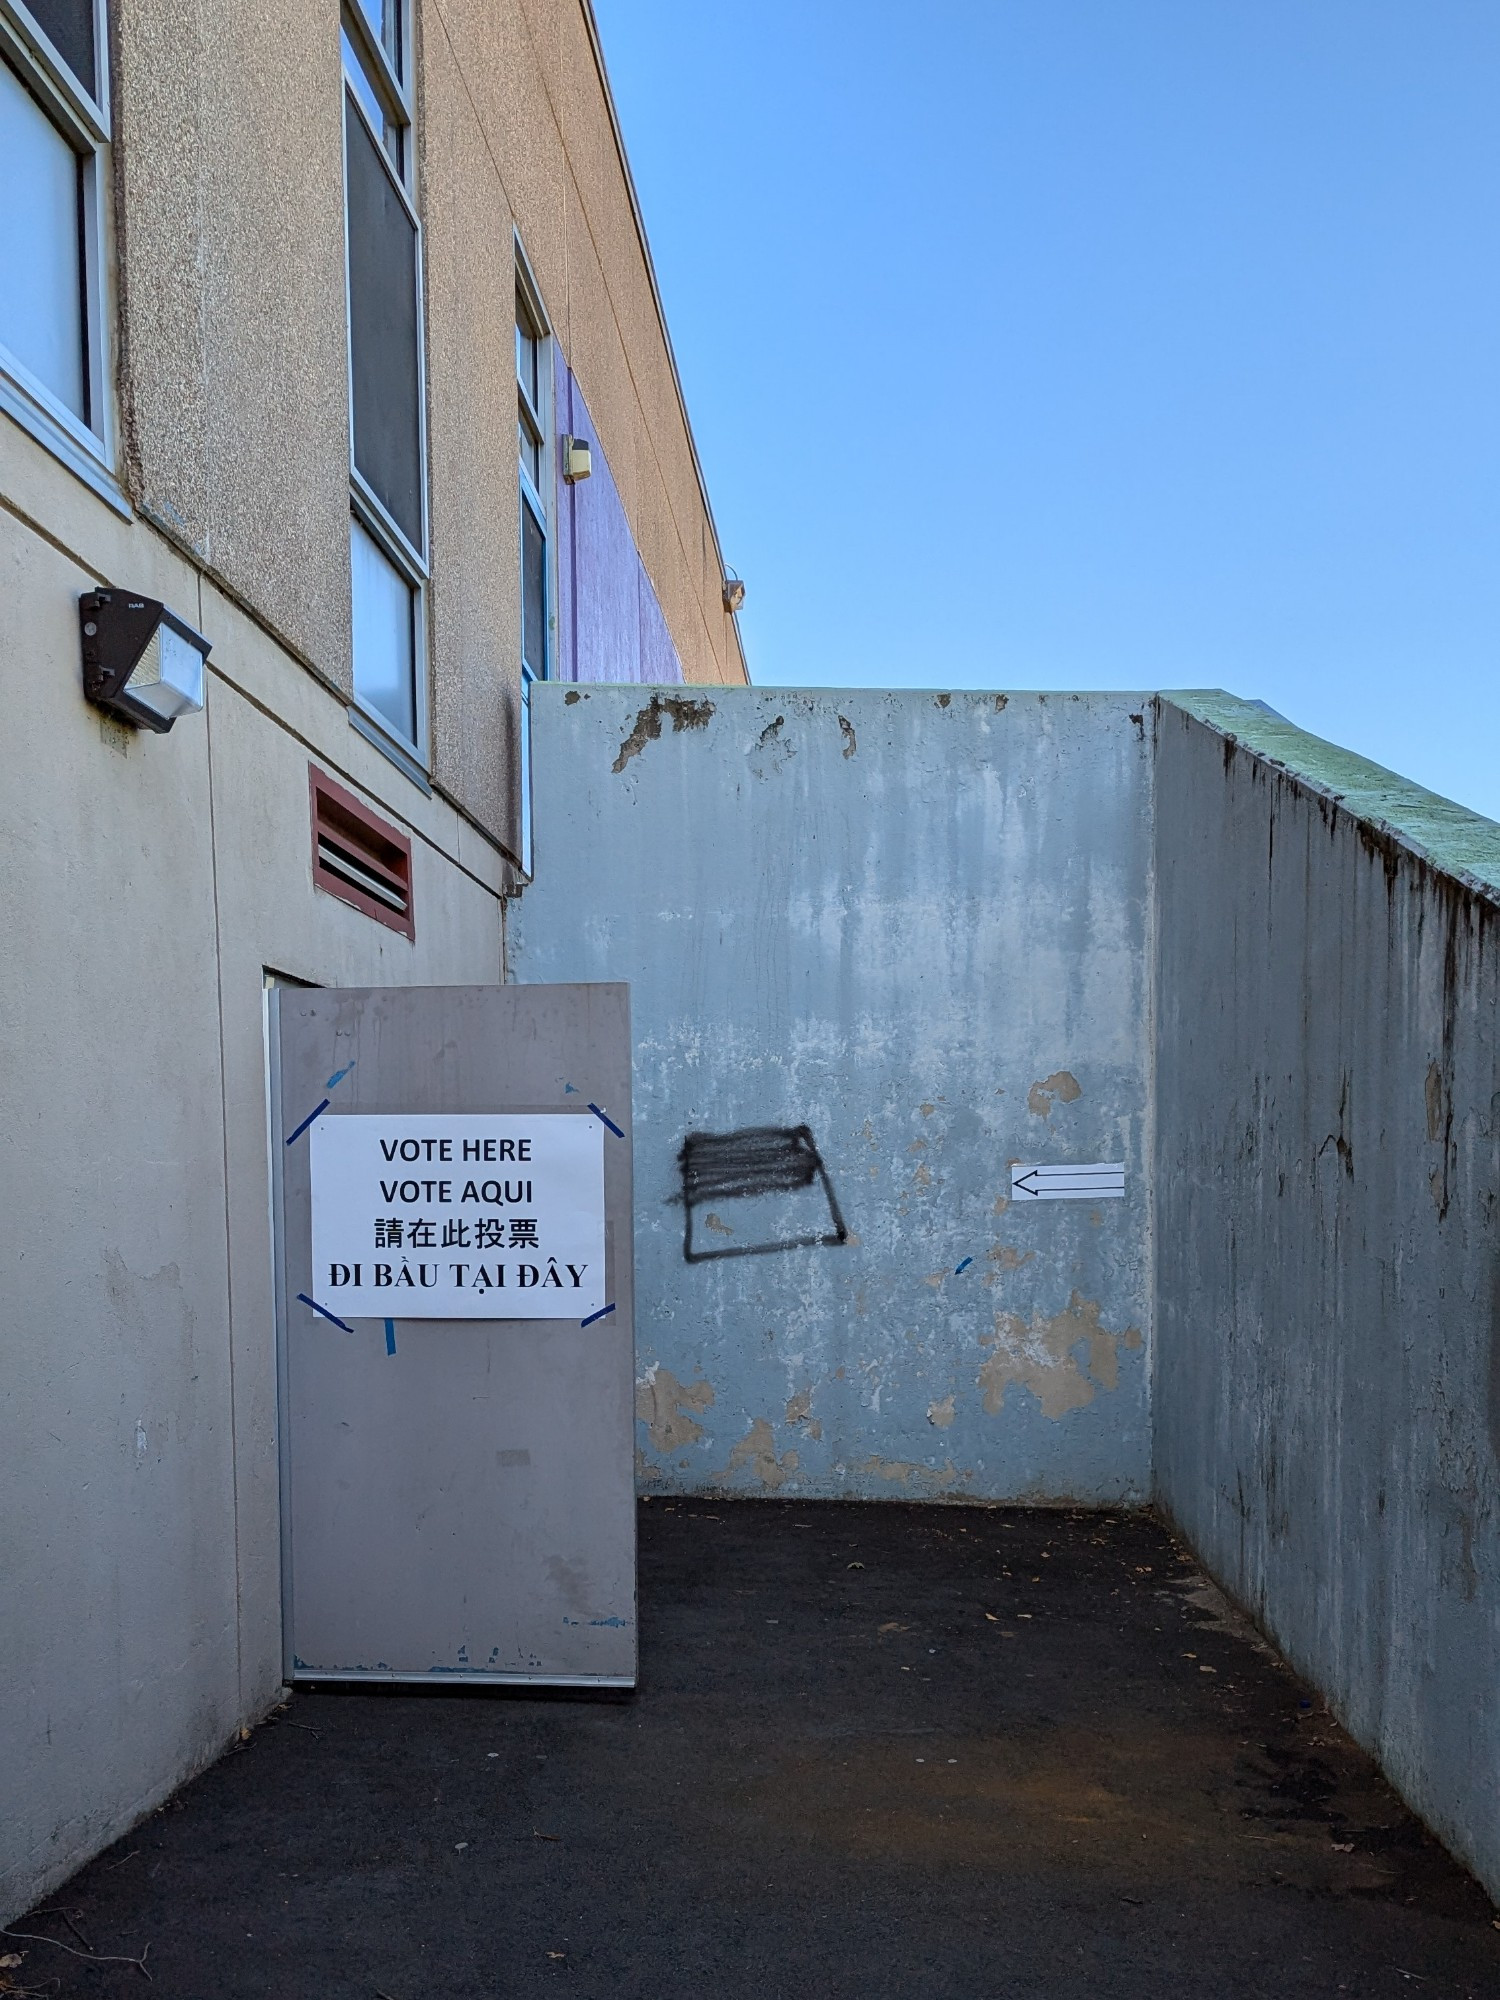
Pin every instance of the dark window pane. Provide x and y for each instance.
(69, 26)
(383, 333)
(533, 593)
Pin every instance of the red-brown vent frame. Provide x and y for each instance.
(358, 857)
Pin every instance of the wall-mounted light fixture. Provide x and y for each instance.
(734, 592)
(140, 661)
(577, 459)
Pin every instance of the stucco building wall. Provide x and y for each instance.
(155, 882)
(232, 355)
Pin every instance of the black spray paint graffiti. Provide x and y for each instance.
(780, 1191)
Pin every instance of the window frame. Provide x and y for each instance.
(523, 777)
(411, 755)
(85, 446)
(542, 415)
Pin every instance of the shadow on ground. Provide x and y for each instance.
(877, 1751)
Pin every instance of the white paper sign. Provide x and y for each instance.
(1093, 1180)
(489, 1216)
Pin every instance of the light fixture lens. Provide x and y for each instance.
(168, 678)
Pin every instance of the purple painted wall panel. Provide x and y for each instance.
(609, 624)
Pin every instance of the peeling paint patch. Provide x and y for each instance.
(1005, 1257)
(712, 1221)
(851, 741)
(940, 1413)
(757, 1450)
(902, 1472)
(799, 1407)
(680, 710)
(771, 750)
(1043, 1355)
(665, 1405)
(1062, 1086)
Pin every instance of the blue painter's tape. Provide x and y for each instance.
(618, 1623)
(570, 1090)
(338, 1076)
(601, 1314)
(963, 1266)
(325, 1312)
(318, 1113)
(390, 1336)
(608, 1121)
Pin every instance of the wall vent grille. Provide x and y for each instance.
(361, 859)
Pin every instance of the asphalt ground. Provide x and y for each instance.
(876, 1751)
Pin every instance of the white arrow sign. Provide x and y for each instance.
(1096, 1180)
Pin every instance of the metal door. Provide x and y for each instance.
(457, 1494)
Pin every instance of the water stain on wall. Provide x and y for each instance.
(1043, 1355)
(665, 1406)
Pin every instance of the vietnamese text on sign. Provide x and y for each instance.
(476, 1216)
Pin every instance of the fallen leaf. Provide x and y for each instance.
(12, 1958)
(992, 1618)
(1343, 1847)
(853, 1565)
(557, 1954)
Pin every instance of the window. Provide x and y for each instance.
(54, 131)
(533, 366)
(387, 469)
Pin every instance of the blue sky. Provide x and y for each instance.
(1096, 343)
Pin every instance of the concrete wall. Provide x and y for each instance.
(918, 925)
(1327, 1390)
(152, 882)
